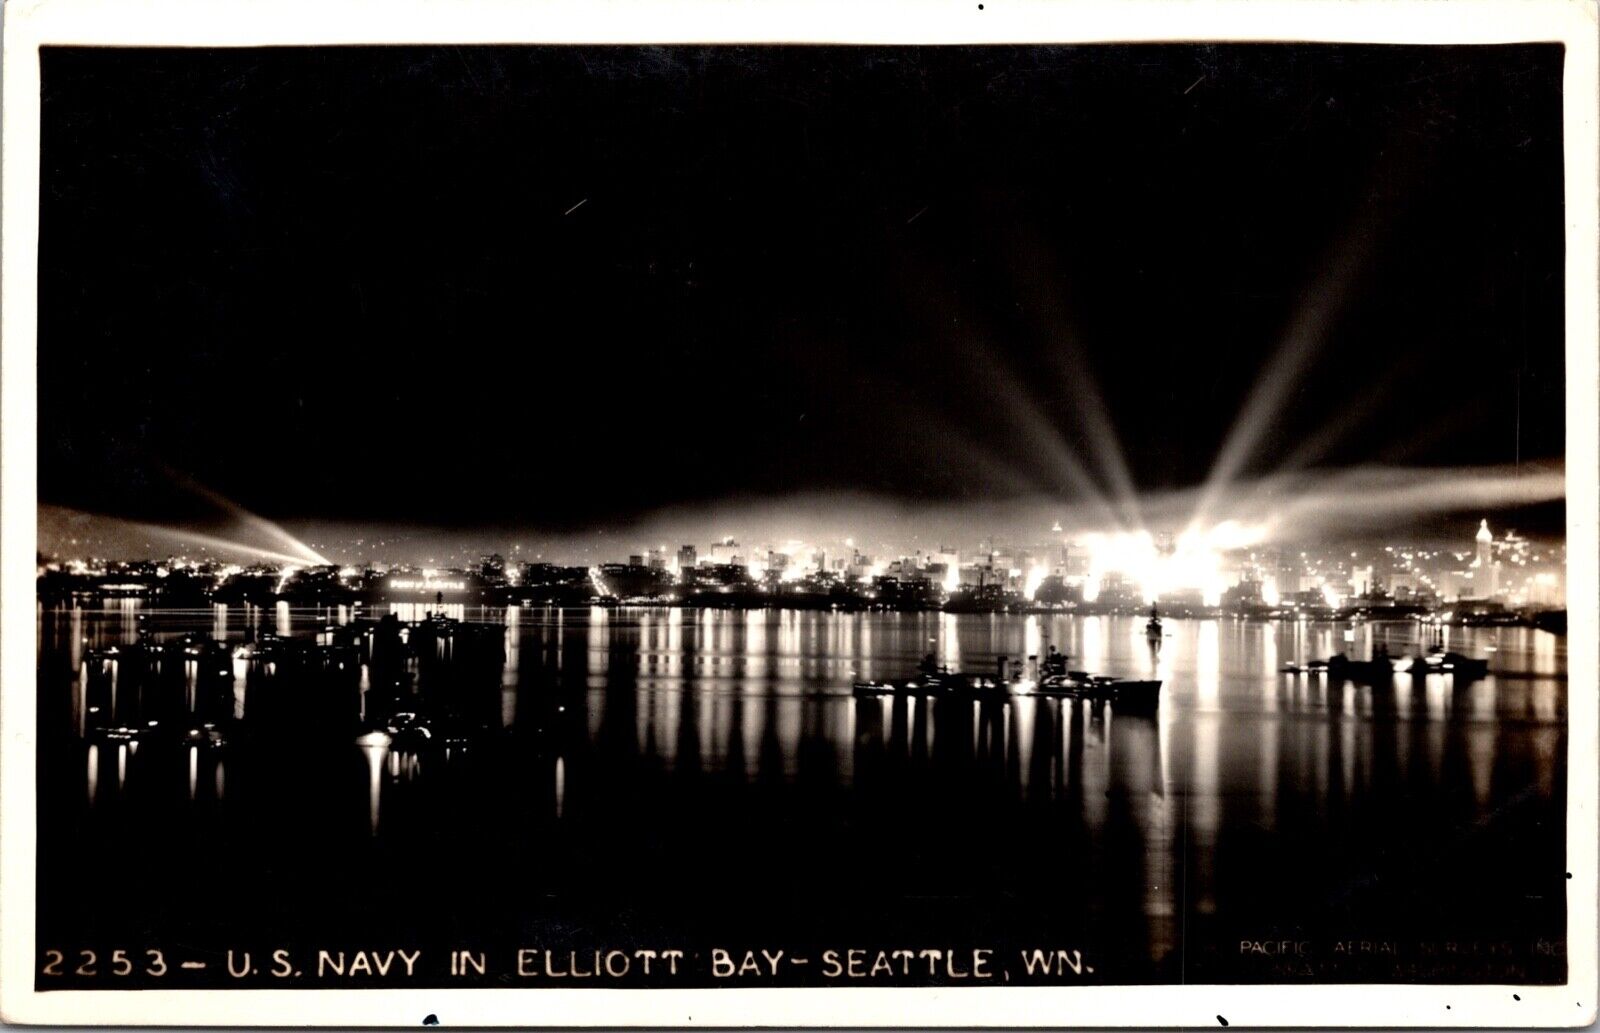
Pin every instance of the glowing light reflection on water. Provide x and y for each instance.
(764, 698)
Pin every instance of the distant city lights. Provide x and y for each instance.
(430, 584)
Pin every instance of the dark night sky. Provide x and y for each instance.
(351, 284)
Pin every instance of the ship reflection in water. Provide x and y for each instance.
(707, 777)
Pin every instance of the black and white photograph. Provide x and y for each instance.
(966, 518)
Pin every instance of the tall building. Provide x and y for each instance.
(1486, 571)
(686, 557)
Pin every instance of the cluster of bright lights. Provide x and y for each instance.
(1036, 575)
(798, 561)
(1194, 561)
(429, 583)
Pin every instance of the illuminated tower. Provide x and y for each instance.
(1487, 576)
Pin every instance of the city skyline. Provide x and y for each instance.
(1228, 568)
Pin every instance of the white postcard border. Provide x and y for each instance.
(30, 23)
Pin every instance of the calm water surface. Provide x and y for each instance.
(705, 778)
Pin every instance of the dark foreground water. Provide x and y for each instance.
(696, 781)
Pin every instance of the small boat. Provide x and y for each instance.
(1437, 661)
(409, 732)
(933, 684)
(1380, 670)
(1069, 685)
(1124, 694)
(1377, 671)
(1152, 628)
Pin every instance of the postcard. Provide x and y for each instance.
(961, 514)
